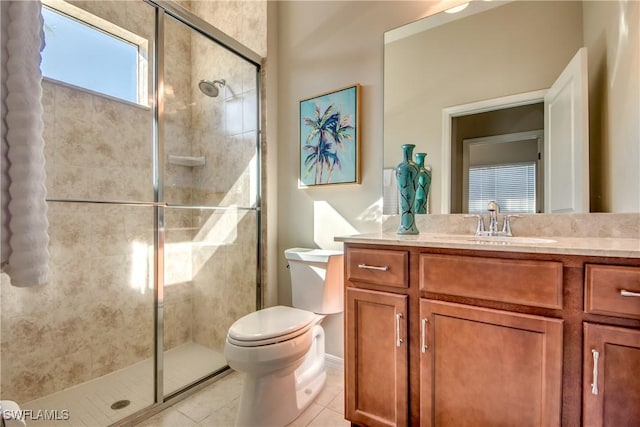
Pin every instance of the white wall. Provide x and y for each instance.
(324, 46)
(613, 42)
(609, 30)
(469, 60)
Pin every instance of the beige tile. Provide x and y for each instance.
(335, 377)
(222, 417)
(217, 405)
(307, 416)
(337, 404)
(328, 418)
(212, 399)
(333, 387)
(168, 418)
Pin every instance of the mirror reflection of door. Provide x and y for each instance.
(503, 168)
(495, 138)
(562, 167)
(567, 139)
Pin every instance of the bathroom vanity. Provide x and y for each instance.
(444, 330)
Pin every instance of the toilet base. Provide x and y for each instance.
(279, 398)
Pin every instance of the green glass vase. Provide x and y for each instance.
(407, 178)
(424, 184)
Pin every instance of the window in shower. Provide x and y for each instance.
(86, 51)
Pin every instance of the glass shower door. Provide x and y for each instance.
(82, 345)
(209, 168)
(153, 221)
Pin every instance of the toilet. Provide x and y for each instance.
(280, 350)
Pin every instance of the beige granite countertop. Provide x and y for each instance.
(586, 246)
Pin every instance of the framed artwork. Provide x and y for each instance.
(330, 138)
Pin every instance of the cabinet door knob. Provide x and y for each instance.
(424, 335)
(626, 293)
(594, 384)
(373, 267)
(398, 330)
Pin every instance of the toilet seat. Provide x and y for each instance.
(270, 325)
(268, 341)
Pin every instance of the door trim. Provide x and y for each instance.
(483, 106)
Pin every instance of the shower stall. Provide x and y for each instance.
(154, 223)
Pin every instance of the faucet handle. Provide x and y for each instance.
(506, 225)
(480, 225)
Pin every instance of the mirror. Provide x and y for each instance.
(497, 50)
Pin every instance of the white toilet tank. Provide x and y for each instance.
(317, 279)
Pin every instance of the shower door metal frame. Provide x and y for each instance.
(163, 10)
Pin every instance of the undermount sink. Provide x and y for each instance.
(504, 240)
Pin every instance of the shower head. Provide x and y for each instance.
(209, 87)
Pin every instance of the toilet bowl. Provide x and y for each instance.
(280, 349)
(11, 415)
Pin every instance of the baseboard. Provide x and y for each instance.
(334, 362)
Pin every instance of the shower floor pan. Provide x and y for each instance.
(89, 404)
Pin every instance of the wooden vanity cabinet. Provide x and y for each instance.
(462, 337)
(377, 391)
(611, 376)
(611, 354)
(484, 367)
(376, 352)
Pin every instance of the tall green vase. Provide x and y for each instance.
(407, 177)
(424, 184)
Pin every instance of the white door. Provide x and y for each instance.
(566, 140)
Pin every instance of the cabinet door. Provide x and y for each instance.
(377, 386)
(611, 376)
(483, 367)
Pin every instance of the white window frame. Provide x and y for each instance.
(115, 31)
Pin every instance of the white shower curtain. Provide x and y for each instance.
(4, 161)
(28, 254)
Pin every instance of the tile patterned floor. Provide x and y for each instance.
(215, 406)
(89, 404)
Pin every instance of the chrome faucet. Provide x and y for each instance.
(493, 208)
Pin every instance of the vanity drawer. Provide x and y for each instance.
(604, 286)
(379, 267)
(527, 282)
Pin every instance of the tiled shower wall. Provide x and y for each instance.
(178, 184)
(96, 313)
(225, 134)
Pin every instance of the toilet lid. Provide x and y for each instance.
(270, 323)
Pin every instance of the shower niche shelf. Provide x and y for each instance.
(189, 161)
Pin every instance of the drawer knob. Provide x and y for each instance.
(373, 267)
(626, 293)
